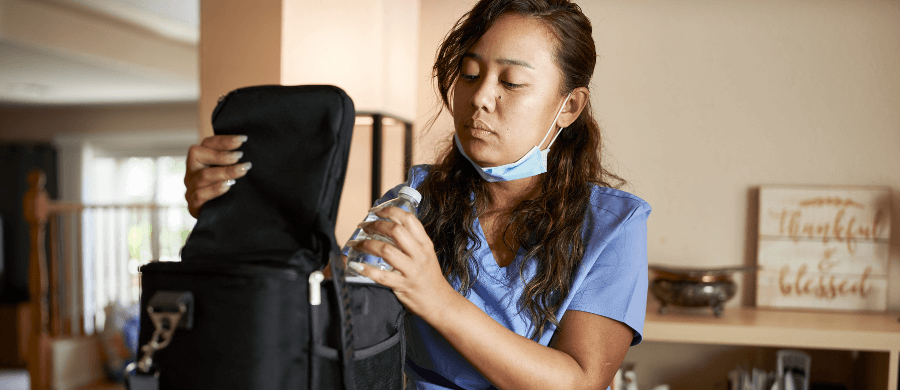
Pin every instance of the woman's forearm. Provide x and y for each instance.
(506, 359)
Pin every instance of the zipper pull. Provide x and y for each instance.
(315, 287)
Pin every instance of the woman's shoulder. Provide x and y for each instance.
(417, 175)
(609, 202)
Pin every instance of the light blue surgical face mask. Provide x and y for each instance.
(531, 164)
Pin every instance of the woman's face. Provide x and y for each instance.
(507, 93)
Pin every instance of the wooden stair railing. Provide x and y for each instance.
(58, 314)
(36, 204)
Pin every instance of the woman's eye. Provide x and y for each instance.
(511, 85)
(470, 77)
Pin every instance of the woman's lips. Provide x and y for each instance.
(477, 127)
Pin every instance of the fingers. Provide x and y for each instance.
(212, 168)
(394, 256)
(385, 250)
(384, 278)
(215, 150)
(200, 157)
(395, 231)
(197, 198)
(212, 175)
(224, 142)
(209, 183)
(401, 217)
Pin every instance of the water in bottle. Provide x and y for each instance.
(408, 201)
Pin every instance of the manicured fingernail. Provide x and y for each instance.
(356, 266)
(241, 138)
(246, 166)
(237, 155)
(228, 183)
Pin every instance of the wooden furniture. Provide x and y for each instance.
(876, 333)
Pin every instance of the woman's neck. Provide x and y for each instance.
(506, 195)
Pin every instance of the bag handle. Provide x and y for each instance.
(345, 315)
(169, 310)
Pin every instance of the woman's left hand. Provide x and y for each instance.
(417, 280)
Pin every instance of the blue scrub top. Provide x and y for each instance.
(611, 281)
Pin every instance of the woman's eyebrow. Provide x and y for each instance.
(510, 61)
(501, 61)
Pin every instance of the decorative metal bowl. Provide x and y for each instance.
(694, 287)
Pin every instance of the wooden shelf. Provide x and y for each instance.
(874, 332)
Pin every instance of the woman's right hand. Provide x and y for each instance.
(212, 169)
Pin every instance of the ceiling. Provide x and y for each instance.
(84, 52)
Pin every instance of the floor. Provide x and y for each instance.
(19, 380)
(14, 379)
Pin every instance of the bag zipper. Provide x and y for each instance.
(315, 287)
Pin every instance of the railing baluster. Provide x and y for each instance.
(78, 281)
(100, 271)
(109, 264)
(66, 294)
(65, 266)
(122, 258)
(68, 258)
(154, 233)
(94, 270)
(115, 263)
(54, 276)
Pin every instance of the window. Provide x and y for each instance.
(134, 212)
(153, 188)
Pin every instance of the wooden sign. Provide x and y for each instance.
(823, 247)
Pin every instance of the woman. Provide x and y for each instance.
(531, 273)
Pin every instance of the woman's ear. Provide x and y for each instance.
(572, 110)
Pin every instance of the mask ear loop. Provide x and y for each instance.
(554, 122)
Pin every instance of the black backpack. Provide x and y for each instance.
(247, 308)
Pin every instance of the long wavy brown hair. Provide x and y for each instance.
(550, 226)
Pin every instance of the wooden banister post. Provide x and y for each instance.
(36, 209)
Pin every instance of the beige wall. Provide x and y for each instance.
(166, 128)
(366, 47)
(437, 18)
(43, 124)
(290, 42)
(702, 102)
(240, 45)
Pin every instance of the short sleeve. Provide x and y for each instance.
(614, 284)
(415, 176)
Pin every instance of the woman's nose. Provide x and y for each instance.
(484, 96)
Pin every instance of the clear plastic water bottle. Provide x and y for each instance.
(408, 201)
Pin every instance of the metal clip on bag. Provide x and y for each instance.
(262, 316)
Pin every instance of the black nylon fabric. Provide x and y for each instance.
(248, 261)
(250, 326)
(377, 340)
(298, 142)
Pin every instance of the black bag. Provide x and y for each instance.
(239, 311)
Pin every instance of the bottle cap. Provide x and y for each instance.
(412, 193)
